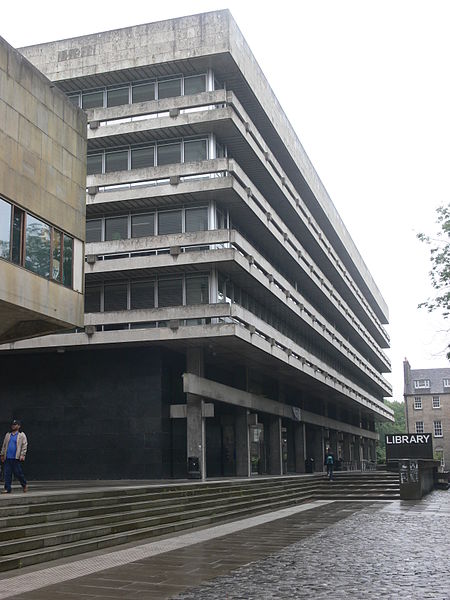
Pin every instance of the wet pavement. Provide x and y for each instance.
(333, 550)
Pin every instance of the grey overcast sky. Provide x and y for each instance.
(366, 87)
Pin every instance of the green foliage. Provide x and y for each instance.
(440, 260)
(385, 428)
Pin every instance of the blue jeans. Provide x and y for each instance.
(12, 465)
(329, 471)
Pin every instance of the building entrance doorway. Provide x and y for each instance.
(258, 453)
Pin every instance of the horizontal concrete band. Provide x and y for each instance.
(205, 388)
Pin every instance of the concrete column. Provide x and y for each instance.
(242, 443)
(319, 450)
(357, 450)
(373, 450)
(275, 451)
(346, 447)
(195, 422)
(299, 447)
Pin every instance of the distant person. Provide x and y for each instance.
(12, 455)
(329, 463)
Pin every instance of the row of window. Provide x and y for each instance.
(141, 91)
(154, 293)
(437, 428)
(160, 222)
(425, 383)
(29, 242)
(152, 155)
(435, 402)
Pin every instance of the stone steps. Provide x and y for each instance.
(43, 527)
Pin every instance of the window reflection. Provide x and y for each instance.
(37, 246)
(5, 229)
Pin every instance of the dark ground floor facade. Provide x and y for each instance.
(108, 414)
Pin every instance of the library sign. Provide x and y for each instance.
(408, 445)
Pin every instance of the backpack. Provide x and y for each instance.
(330, 460)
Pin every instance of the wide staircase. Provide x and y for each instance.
(36, 528)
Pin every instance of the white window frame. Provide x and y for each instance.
(436, 402)
(446, 383)
(421, 384)
(418, 403)
(437, 426)
(419, 427)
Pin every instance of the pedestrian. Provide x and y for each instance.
(329, 463)
(12, 455)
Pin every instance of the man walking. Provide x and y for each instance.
(12, 455)
(329, 463)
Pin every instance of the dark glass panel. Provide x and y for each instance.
(116, 228)
(5, 229)
(56, 255)
(170, 292)
(116, 296)
(143, 92)
(142, 294)
(142, 225)
(195, 150)
(169, 222)
(92, 296)
(37, 246)
(169, 88)
(142, 157)
(94, 230)
(17, 235)
(197, 290)
(92, 99)
(94, 164)
(67, 261)
(197, 219)
(169, 154)
(194, 85)
(116, 161)
(118, 96)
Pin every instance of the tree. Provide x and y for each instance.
(384, 428)
(440, 260)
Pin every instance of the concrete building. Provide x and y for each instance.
(231, 325)
(427, 406)
(42, 207)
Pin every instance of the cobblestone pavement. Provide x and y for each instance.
(400, 551)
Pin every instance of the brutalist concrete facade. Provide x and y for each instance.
(427, 407)
(216, 259)
(42, 205)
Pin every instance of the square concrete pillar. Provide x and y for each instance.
(195, 421)
(346, 448)
(243, 467)
(299, 447)
(357, 452)
(319, 449)
(275, 446)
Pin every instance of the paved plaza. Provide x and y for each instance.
(322, 549)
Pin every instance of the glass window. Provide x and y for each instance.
(94, 230)
(116, 295)
(195, 150)
(92, 99)
(197, 219)
(437, 426)
(142, 294)
(75, 99)
(419, 426)
(142, 225)
(116, 161)
(92, 297)
(56, 255)
(169, 88)
(116, 228)
(169, 154)
(169, 221)
(417, 402)
(446, 382)
(67, 260)
(17, 235)
(195, 84)
(436, 402)
(37, 246)
(170, 292)
(143, 92)
(142, 157)
(421, 383)
(197, 289)
(5, 229)
(94, 164)
(118, 96)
